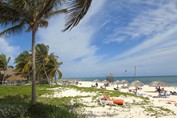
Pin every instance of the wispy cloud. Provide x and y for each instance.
(8, 49)
(73, 45)
(147, 23)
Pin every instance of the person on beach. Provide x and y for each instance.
(96, 84)
(159, 91)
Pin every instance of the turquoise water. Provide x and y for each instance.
(171, 80)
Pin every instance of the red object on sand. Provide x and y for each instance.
(118, 101)
(115, 101)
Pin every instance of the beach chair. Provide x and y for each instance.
(113, 101)
(106, 102)
(102, 87)
(165, 95)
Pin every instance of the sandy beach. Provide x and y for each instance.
(144, 104)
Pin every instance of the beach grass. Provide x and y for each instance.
(15, 102)
(111, 93)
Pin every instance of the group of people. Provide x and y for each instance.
(162, 92)
(103, 87)
(96, 85)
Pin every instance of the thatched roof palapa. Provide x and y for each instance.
(136, 83)
(16, 78)
(158, 83)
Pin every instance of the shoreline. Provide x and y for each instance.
(171, 80)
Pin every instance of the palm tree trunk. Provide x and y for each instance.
(28, 75)
(55, 80)
(46, 74)
(3, 77)
(33, 69)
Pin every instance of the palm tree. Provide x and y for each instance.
(18, 15)
(24, 64)
(47, 63)
(53, 66)
(4, 65)
(42, 58)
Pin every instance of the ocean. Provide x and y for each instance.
(171, 80)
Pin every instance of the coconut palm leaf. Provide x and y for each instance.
(76, 11)
(14, 30)
(24, 64)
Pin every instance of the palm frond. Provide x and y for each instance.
(8, 60)
(4, 61)
(8, 15)
(76, 11)
(45, 6)
(52, 13)
(15, 12)
(14, 29)
(59, 74)
(43, 23)
(22, 5)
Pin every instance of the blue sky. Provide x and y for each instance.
(114, 36)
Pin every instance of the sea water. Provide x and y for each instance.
(171, 80)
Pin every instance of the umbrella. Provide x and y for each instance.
(136, 83)
(105, 81)
(158, 83)
(96, 80)
(124, 82)
(117, 82)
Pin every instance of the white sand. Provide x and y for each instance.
(133, 107)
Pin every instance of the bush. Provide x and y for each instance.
(38, 111)
(49, 111)
(12, 110)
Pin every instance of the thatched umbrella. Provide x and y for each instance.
(124, 82)
(96, 80)
(158, 83)
(136, 83)
(117, 82)
(105, 81)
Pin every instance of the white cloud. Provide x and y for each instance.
(73, 47)
(8, 49)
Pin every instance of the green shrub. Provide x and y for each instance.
(49, 111)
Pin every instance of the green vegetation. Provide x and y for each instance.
(158, 111)
(15, 103)
(4, 61)
(111, 93)
(47, 65)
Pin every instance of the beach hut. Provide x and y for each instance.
(158, 83)
(16, 80)
(8, 73)
(136, 83)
